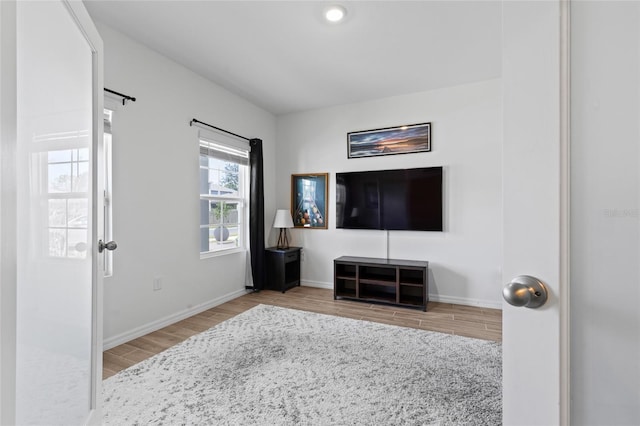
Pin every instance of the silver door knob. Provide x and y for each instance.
(526, 291)
(111, 245)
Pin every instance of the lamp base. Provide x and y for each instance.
(283, 240)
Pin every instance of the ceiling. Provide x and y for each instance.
(283, 57)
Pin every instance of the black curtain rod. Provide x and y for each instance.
(219, 129)
(122, 95)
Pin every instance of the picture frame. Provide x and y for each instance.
(309, 195)
(406, 139)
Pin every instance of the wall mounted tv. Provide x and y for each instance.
(402, 199)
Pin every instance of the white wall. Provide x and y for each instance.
(155, 186)
(465, 259)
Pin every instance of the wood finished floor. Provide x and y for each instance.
(481, 323)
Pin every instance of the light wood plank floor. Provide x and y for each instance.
(480, 323)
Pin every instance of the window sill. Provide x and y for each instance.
(210, 254)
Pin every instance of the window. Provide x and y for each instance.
(108, 210)
(67, 197)
(223, 187)
(68, 193)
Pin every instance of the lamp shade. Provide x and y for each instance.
(283, 219)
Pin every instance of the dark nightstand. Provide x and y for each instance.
(283, 268)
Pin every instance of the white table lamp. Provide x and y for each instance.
(283, 221)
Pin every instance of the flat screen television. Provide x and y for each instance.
(402, 199)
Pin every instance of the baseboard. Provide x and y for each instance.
(465, 301)
(316, 284)
(432, 297)
(171, 319)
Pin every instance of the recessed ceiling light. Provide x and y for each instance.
(335, 13)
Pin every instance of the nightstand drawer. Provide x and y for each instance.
(291, 257)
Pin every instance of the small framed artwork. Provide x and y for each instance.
(309, 194)
(389, 140)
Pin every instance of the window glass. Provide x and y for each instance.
(108, 208)
(223, 177)
(67, 203)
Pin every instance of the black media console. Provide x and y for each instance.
(392, 281)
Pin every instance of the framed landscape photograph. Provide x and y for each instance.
(389, 140)
(309, 194)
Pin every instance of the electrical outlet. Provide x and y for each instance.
(157, 284)
(302, 255)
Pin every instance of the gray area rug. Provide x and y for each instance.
(277, 366)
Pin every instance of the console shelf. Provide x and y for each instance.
(392, 281)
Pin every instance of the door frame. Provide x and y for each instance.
(85, 23)
(565, 213)
(8, 210)
(8, 213)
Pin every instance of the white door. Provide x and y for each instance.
(51, 216)
(571, 211)
(533, 197)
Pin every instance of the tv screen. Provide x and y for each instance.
(402, 199)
